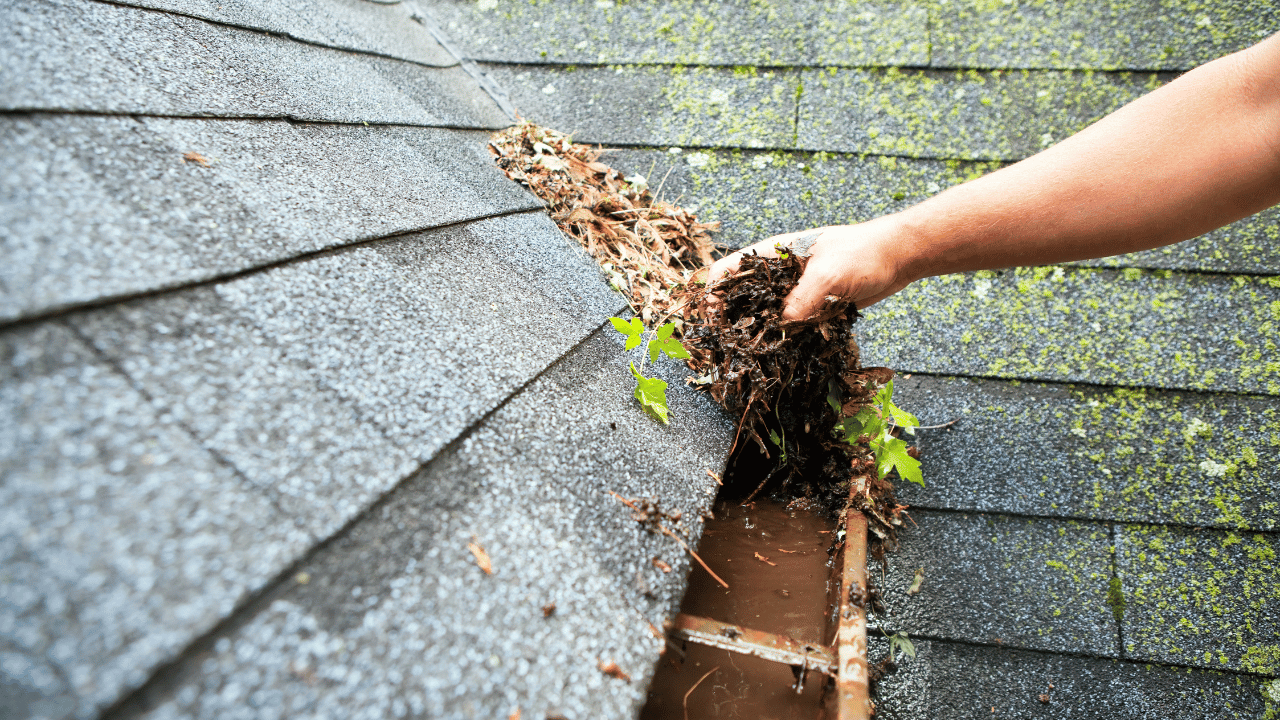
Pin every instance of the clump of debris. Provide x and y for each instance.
(651, 250)
(789, 383)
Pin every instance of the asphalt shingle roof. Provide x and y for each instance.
(254, 413)
(1117, 429)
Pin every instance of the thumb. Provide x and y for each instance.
(806, 298)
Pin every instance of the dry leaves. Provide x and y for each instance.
(612, 670)
(196, 158)
(482, 557)
(652, 251)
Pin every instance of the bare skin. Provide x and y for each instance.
(1191, 156)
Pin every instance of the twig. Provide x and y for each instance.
(684, 544)
(766, 480)
(657, 196)
(935, 427)
(695, 687)
(671, 534)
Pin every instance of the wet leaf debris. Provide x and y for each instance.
(791, 384)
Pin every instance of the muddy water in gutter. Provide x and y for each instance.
(788, 597)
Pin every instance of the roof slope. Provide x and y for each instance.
(1118, 437)
(281, 344)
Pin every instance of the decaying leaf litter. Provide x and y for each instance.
(798, 388)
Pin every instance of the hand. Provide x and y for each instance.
(861, 263)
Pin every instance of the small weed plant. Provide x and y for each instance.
(651, 391)
(874, 424)
(900, 646)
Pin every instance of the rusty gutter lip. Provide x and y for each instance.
(769, 646)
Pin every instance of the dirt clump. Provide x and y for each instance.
(790, 383)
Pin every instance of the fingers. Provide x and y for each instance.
(806, 298)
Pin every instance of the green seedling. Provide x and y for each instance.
(876, 422)
(899, 642)
(651, 392)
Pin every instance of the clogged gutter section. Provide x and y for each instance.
(790, 384)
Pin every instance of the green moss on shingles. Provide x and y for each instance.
(1156, 453)
(1109, 34)
(1058, 579)
(1081, 324)
(1191, 592)
(994, 115)
(701, 106)
(808, 32)
(1115, 598)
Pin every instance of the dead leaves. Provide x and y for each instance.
(196, 158)
(612, 670)
(650, 250)
(482, 557)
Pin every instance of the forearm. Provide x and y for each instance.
(1191, 156)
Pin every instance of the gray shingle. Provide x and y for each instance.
(1201, 598)
(102, 207)
(725, 32)
(956, 114)
(1149, 329)
(82, 56)
(530, 487)
(238, 391)
(121, 538)
(1098, 34)
(995, 579)
(1194, 459)
(380, 28)
(325, 382)
(657, 105)
(759, 194)
(948, 681)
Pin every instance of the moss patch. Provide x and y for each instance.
(1101, 34)
(1158, 329)
(803, 32)
(995, 115)
(1201, 598)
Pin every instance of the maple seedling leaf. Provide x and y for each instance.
(893, 456)
(633, 330)
(652, 394)
(901, 417)
(663, 343)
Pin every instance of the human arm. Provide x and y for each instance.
(1191, 156)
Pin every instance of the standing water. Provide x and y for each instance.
(774, 558)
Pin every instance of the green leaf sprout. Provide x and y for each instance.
(875, 422)
(651, 392)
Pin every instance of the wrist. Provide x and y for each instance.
(906, 248)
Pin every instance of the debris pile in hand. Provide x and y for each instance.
(790, 383)
(650, 249)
